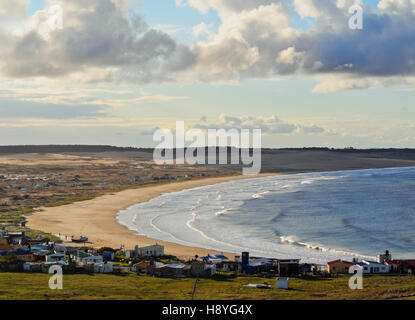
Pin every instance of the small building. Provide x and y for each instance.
(402, 266)
(288, 267)
(59, 248)
(173, 270)
(103, 267)
(231, 266)
(216, 259)
(4, 245)
(339, 266)
(56, 257)
(108, 256)
(169, 270)
(141, 267)
(32, 267)
(92, 259)
(150, 251)
(283, 283)
(257, 265)
(261, 265)
(21, 255)
(202, 269)
(15, 238)
(84, 257)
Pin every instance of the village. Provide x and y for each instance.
(21, 254)
(30, 183)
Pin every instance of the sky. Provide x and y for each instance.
(114, 71)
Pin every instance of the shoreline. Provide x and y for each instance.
(103, 229)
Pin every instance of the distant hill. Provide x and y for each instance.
(67, 149)
(100, 149)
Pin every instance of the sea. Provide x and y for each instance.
(315, 217)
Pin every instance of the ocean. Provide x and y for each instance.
(315, 217)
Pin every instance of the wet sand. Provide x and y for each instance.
(96, 218)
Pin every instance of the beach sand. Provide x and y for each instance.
(96, 218)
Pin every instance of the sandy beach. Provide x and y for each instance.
(96, 218)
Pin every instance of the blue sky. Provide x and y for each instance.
(363, 108)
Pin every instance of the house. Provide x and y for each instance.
(339, 266)
(21, 255)
(402, 266)
(84, 257)
(150, 251)
(15, 237)
(32, 267)
(256, 265)
(141, 266)
(261, 265)
(103, 267)
(288, 267)
(40, 255)
(173, 270)
(56, 257)
(92, 259)
(216, 259)
(59, 248)
(4, 245)
(372, 267)
(108, 256)
(231, 266)
(202, 269)
(170, 270)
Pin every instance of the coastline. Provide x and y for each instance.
(97, 218)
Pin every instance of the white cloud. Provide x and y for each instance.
(269, 126)
(99, 43)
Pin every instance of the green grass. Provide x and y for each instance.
(138, 287)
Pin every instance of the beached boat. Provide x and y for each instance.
(38, 240)
(80, 240)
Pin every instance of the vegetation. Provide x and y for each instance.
(223, 287)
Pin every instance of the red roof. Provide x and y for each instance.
(407, 263)
(340, 261)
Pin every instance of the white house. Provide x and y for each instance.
(92, 259)
(370, 267)
(150, 251)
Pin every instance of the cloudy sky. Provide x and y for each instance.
(115, 70)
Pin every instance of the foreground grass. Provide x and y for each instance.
(137, 287)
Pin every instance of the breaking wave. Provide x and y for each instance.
(316, 217)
